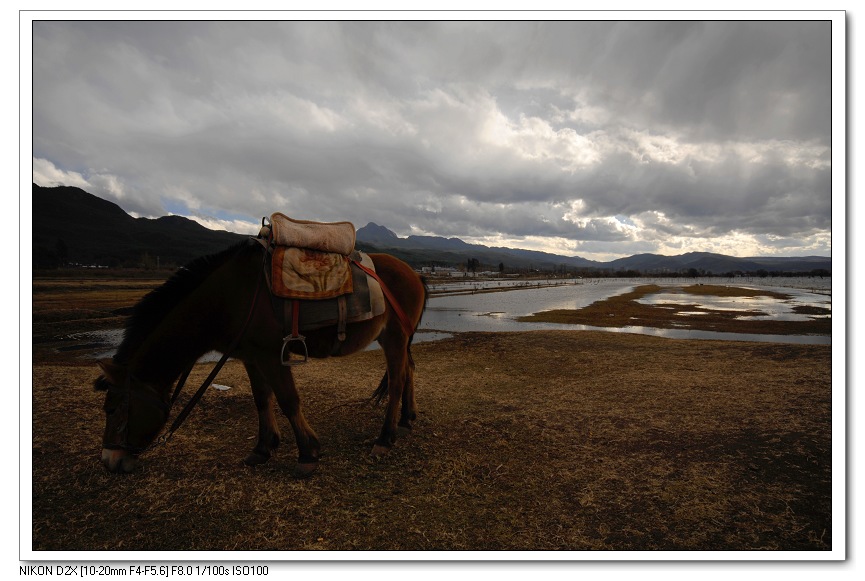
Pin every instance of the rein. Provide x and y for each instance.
(184, 413)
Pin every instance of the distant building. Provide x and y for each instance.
(442, 270)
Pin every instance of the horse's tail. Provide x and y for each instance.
(382, 390)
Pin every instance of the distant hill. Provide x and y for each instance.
(71, 226)
(700, 261)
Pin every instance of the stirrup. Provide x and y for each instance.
(288, 362)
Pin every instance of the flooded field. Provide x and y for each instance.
(498, 305)
(477, 310)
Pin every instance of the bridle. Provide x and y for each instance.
(150, 396)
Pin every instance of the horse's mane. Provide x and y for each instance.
(150, 311)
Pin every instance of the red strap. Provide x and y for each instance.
(403, 319)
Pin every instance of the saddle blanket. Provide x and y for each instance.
(365, 301)
(301, 273)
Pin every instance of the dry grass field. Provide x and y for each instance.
(576, 441)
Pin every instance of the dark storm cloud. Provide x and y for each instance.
(641, 134)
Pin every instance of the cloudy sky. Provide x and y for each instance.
(596, 139)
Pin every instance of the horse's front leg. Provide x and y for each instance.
(308, 446)
(268, 430)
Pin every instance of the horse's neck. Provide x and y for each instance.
(198, 324)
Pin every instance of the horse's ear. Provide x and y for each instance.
(114, 373)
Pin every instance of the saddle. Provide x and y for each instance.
(336, 237)
(317, 279)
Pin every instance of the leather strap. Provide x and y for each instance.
(342, 308)
(295, 319)
(403, 319)
(225, 356)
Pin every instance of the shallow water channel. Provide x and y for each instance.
(467, 308)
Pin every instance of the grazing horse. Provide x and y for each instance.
(219, 303)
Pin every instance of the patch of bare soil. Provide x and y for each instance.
(525, 441)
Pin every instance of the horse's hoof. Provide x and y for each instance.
(379, 451)
(305, 469)
(255, 458)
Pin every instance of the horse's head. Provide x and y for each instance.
(134, 413)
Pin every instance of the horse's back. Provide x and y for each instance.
(406, 285)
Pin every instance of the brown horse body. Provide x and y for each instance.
(207, 306)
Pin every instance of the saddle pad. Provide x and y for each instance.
(376, 295)
(301, 273)
(365, 302)
(338, 237)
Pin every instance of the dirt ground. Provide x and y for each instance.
(552, 440)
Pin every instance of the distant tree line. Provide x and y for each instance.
(59, 256)
(699, 273)
(473, 265)
(50, 258)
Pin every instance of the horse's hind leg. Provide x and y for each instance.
(268, 430)
(399, 387)
(408, 412)
(309, 449)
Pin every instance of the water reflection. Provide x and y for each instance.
(497, 311)
(771, 308)
(713, 335)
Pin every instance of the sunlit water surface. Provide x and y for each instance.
(498, 311)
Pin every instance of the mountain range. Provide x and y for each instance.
(451, 251)
(71, 226)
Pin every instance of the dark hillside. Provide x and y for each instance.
(71, 226)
